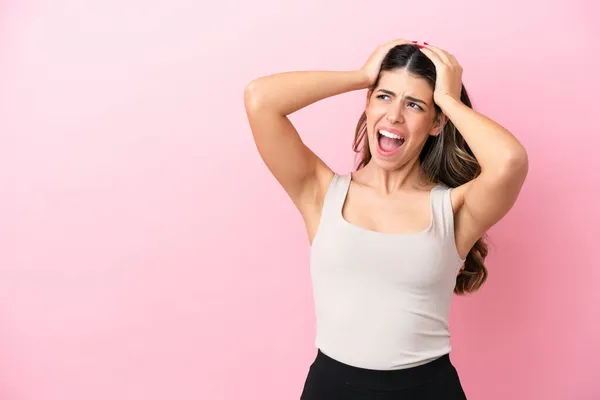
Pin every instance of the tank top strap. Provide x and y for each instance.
(442, 210)
(335, 196)
(441, 205)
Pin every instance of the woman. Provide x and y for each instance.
(392, 241)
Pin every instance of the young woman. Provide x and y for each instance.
(392, 241)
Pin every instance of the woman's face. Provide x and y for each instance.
(402, 107)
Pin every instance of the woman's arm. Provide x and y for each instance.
(288, 92)
(495, 148)
(504, 167)
(268, 101)
(504, 162)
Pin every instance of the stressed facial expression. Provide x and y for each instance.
(400, 117)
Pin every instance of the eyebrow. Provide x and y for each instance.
(407, 97)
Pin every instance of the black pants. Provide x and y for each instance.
(329, 379)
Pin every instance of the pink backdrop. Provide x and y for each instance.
(146, 252)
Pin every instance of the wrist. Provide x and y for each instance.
(363, 79)
(447, 102)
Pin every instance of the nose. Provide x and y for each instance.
(394, 114)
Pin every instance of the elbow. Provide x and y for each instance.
(519, 159)
(255, 94)
(510, 163)
(514, 162)
(517, 164)
(251, 95)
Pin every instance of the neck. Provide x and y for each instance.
(409, 176)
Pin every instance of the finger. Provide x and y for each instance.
(446, 59)
(434, 57)
(442, 54)
(454, 61)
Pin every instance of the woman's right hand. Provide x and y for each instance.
(373, 64)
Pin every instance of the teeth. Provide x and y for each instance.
(390, 134)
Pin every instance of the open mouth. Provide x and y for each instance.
(389, 142)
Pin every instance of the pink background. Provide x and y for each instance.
(146, 252)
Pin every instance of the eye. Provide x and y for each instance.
(418, 107)
(381, 96)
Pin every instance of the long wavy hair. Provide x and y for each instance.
(445, 158)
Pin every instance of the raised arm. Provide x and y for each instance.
(268, 101)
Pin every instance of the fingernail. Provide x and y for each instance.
(421, 46)
(426, 43)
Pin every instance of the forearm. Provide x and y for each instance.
(288, 92)
(494, 147)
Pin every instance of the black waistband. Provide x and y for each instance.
(436, 370)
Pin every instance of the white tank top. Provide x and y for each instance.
(382, 299)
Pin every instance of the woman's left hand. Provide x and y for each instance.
(448, 72)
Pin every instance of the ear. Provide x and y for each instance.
(438, 126)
